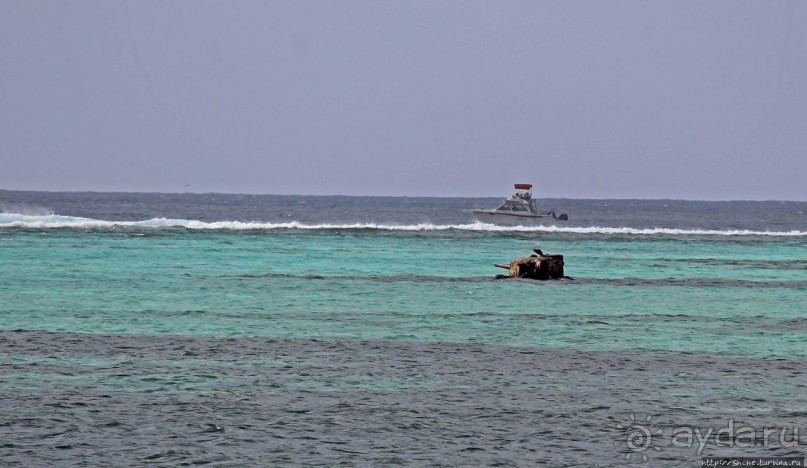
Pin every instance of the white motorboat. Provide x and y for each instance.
(517, 209)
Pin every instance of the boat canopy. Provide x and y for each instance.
(523, 186)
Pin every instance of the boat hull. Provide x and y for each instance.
(512, 219)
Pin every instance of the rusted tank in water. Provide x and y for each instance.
(537, 266)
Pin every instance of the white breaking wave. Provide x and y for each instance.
(58, 221)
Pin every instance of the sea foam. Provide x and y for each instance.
(58, 221)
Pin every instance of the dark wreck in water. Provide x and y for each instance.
(537, 266)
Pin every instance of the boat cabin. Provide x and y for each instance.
(519, 201)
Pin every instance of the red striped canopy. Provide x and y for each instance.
(523, 186)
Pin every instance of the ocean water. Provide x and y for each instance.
(177, 329)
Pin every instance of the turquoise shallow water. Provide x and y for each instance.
(138, 329)
(744, 295)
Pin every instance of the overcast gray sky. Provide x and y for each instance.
(586, 99)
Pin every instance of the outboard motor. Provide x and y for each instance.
(561, 217)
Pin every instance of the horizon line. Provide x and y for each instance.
(392, 196)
